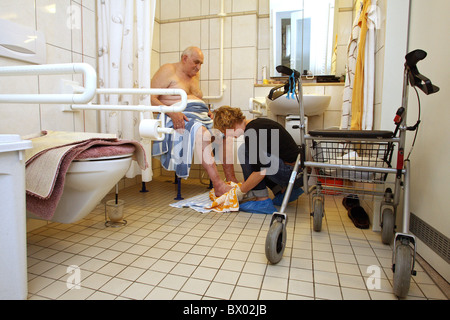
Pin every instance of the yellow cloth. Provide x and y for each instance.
(358, 88)
(228, 202)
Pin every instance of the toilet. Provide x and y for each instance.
(87, 182)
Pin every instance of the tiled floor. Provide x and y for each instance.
(169, 253)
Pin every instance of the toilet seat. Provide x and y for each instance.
(119, 156)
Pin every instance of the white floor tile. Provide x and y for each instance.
(170, 253)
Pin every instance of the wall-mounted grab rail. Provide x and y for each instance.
(137, 91)
(52, 69)
(81, 96)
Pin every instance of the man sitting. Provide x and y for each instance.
(192, 125)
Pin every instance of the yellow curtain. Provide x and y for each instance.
(358, 87)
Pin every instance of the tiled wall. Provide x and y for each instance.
(196, 23)
(69, 38)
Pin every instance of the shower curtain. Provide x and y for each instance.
(125, 34)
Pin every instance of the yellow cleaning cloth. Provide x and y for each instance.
(358, 88)
(228, 202)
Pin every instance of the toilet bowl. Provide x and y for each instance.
(87, 182)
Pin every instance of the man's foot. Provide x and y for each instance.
(221, 188)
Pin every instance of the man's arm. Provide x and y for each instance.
(161, 79)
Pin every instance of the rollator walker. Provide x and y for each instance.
(344, 162)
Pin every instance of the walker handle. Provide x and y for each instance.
(415, 78)
(415, 56)
(288, 71)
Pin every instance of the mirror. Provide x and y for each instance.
(302, 35)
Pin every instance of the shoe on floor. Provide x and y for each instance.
(350, 201)
(359, 217)
(264, 206)
(295, 193)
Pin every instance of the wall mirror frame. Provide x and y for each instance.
(302, 36)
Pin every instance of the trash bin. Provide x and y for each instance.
(13, 249)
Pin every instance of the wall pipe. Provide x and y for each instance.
(222, 16)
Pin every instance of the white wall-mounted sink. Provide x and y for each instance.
(314, 105)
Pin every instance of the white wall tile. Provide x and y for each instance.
(89, 33)
(243, 63)
(336, 93)
(241, 92)
(189, 34)
(204, 71)
(214, 33)
(263, 33)
(19, 11)
(170, 9)
(156, 37)
(264, 7)
(214, 64)
(190, 8)
(247, 5)
(170, 57)
(170, 37)
(52, 20)
(244, 32)
(22, 119)
(204, 34)
(77, 35)
(344, 27)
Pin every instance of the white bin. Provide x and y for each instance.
(13, 249)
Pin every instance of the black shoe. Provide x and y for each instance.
(350, 201)
(359, 217)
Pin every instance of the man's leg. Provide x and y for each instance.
(203, 151)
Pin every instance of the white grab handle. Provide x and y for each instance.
(52, 69)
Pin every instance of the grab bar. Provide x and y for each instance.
(137, 91)
(52, 69)
(80, 98)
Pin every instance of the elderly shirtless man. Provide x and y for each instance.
(185, 75)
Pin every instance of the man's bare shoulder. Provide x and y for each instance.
(167, 69)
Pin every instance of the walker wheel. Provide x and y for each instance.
(317, 214)
(276, 241)
(387, 226)
(402, 269)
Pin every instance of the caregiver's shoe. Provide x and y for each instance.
(264, 206)
(295, 193)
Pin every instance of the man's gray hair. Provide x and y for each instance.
(188, 51)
